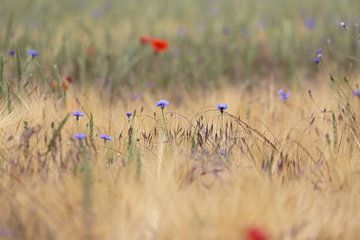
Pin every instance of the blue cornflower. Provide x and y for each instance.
(78, 114)
(12, 53)
(310, 23)
(80, 136)
(318, 56)
(129, 114)
(356, 92)
(319, 53)
(222, 106)
(317, 60)
(33, 53)
(106, 137)
(284, 95)
(162, 103)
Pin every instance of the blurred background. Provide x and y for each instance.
(211, 42)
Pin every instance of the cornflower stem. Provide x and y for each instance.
(164, 120)
(77, 124)
(81, 145)
(222, 121)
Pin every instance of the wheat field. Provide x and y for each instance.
(288, 168)
(191, 119)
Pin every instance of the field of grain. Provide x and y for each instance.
(184, 119)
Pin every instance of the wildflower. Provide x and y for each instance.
(317, 60)
(129, 114)
(318, 56)
(159, 45)
(222, 106)
(78, 114)
(69, 79)
(283, 95)
(33, 53)
(343, 25)
(255, 233)
(12, 53)
(80, 136)
(356, 92)
(319, 53)
(106, 137)
(310, 23)
(162, 103)
(145, 40)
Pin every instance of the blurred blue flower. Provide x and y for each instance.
(318, 56)
(319, 53)
(284, 95)
(106, 137)
(33, 53)
(162, 103)
(222, 106)
(12, 53)
(129, 114)
(310, 23)
(317, 60)
(78, 114)
(80, 136)
(356, 92)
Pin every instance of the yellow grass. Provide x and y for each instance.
(311, 191)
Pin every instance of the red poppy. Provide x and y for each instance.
(69, 79)
(255, 233)
(145, 40)
(159, 45)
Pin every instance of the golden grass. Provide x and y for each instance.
(185, 189)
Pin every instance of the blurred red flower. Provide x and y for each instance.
(256, 233)
(159, 45)
(145, 40)
(69, 79)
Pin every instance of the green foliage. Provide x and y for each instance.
(18, 68)
(91, 128)
(56, 133)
